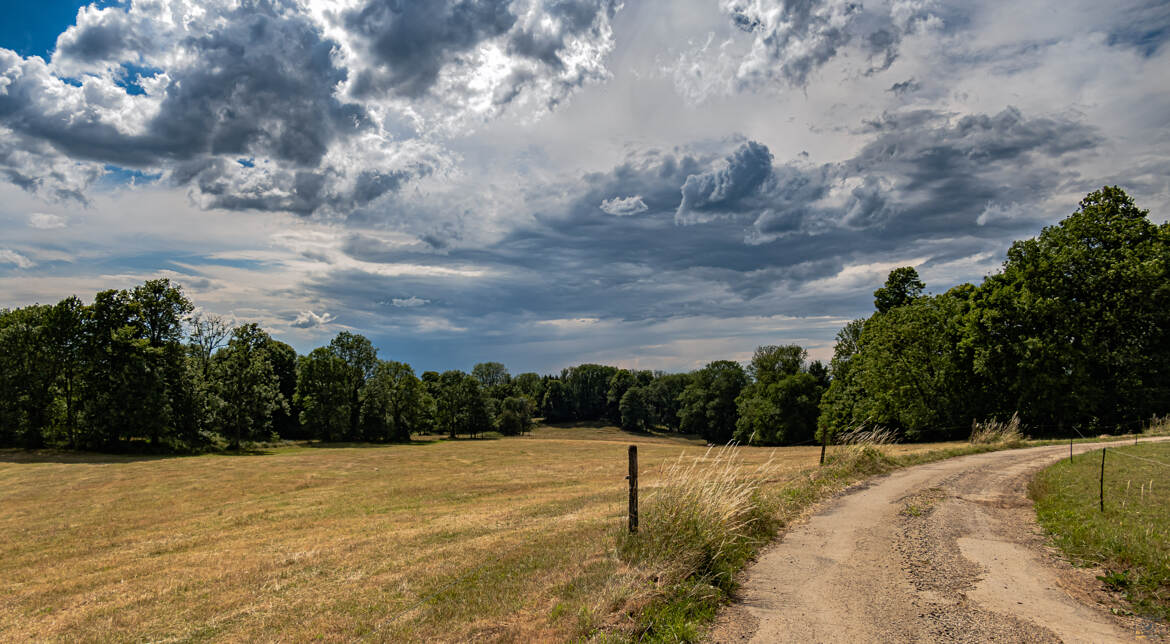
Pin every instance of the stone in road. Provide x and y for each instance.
(947, 551)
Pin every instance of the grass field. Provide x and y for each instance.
(507, 539)
(1130, 538)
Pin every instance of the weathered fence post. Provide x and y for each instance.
(1070, 450)
(824, 446)
(633, 477)
(1102, 479)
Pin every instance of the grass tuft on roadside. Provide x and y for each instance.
(1128, 540)
(994, 431)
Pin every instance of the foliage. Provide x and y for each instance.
(394, 403)
(557, 405)
(246, 386)
(780, 405)
(901, 288)
(588, 386)
(491, 374)
(635, 411)
(708, 402)
(1073, 334)
(515, 416)
(662, 394)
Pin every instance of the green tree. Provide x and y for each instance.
(780, 405)
(246, 386)
(323, 395)
(902, 287)
(557, 405)
(708, 405)
(119, 388)
(286, 420)
(662, 395)
(635, 410)
(515, 416)
(491, 374)
(621, 382)
(394, 403)
(588, 386)
(30, 371)
(1074, 331)
(360, 358)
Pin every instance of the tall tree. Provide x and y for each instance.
(708, 403)
(360, 358)
(557, 405)
(491, 374)
(780, 405)
(323, 395)
(394, 403)
(246, 385)
(902, 287)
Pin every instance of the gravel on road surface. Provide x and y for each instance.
(947, 551)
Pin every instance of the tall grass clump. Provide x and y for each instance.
(700, 524)
(994, 431)
(1158, 425)
(861, 453)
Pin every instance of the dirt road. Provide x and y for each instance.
(948, 551)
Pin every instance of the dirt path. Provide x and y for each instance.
(948, 551)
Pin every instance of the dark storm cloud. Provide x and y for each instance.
(259, 83)
(726, 189)
(920, 187)
(408, 43)
(411, 41)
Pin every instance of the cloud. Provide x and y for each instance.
(409, 302)
(726, 189)
(44, 221)
(309, 320)
(624, 206)
(272, 106)
(9, 256)
(472, 59)
(782, 43)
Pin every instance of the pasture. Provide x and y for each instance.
(509, 539)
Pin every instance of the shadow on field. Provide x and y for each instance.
(344, 445)
(25, 456)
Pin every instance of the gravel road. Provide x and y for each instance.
(948, 551)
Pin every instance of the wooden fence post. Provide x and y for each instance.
(1070, 450)
(824, 446)
(1102, 479)
(633, 477)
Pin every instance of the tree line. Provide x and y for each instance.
(1073, 334)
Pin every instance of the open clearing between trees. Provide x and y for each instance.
(501, 540)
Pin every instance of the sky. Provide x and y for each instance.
(655, 184)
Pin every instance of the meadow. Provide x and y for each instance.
(1128, 540)
(505, 539)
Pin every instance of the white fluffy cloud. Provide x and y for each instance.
(309, 320)
(624, 206)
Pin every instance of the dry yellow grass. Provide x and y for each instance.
(492, 540)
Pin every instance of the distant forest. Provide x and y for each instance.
(1073, 334)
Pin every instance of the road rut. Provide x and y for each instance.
(947, 551)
